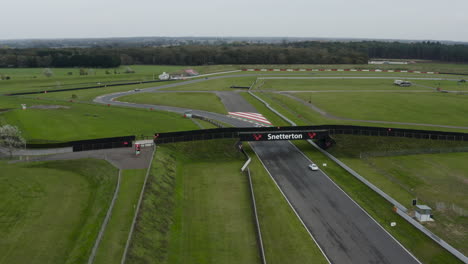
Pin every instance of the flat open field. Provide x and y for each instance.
(87, 121)
(196, 208)
(304, 115)
(331, 84)
(33, 79)
(52, 211)
(427, 108)
(200, 101)
(445, 85)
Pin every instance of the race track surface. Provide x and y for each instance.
(342, 229)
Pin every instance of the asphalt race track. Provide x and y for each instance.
(342, 229)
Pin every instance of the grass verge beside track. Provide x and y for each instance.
(285, 239)
(52, 211)
(438, 180)
(272, 117)
(115, 236)
(332, 84)
(87, 121)
(424, 248)
(216, 84)
(196, 207)
(199, 101)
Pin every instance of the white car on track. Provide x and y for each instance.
(313, 167)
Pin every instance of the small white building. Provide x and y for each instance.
(423, 213)
(164, 76)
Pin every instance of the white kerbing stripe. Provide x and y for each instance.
(255, 119)
(251, 116)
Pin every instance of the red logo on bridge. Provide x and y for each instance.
(312, 135)
(257, 137)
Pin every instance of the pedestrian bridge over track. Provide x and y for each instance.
(322, 134)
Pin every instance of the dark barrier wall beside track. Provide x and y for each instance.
(91, 144)
(103, 143)
(84, 88)
(252, 133)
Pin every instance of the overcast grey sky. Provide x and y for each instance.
(395, 19)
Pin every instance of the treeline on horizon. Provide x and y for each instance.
(309, 52)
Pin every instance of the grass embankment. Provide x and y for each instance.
(87, 121)
(196, 207)
(424, 248)
(52, 211)
(427, 108)
(285, 239)
(199, 101)
(438, 180)
(215, 84)
(332, 85)
(115, 236)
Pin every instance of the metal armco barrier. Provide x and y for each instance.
(303, 133)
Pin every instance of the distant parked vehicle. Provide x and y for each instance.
(313, 167)
(137, 90)
(402, 83)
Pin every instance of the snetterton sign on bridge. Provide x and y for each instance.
(262, 136)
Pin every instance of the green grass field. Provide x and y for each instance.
(303, 115)
(199, 101)
(331, 85)
(424, 248)
(51, 212)
(87, 121)
(428, 108)
(434, 179)
(196, 207)
(445, 85)
(32, 79)
(285, 239)
(115, 236)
